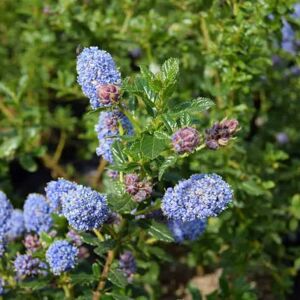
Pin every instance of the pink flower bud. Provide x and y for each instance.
(220, 133)
(108, 94)
(139, 189)
(185, 140)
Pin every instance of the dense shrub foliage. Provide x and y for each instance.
(144, 106)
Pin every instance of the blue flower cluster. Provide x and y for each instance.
(3, 242)
(95, 68)
(1, 286)
(108, 131)
(27, 266)
(37, 214)
(16, 226)
(199, 197)
(6, 210)
(186, 230)
(84, 208)
(289, 41)
(61, 257)
(54, 191)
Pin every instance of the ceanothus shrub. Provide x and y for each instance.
(90, 244)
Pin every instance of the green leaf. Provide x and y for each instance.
(194, 106)
(153, 83)
(28, 163)
(84, 278)
(147, 95)
(159, 253)
(35, 284)
(295, 206)
(9, 146)
(162, 136)
(170, 122)
(104, 246)
(185, 119)
(7, 91)
(96, 270)
(118, 153)
(116, 277)
(120, 297)
(160, 232)
(46, 238)
(297, 264)
(121, 203)
(168, 76)
(169, 71)
(89, 239)
(195, 292)
(252, 188)
(169, 162)
(151, 146)
(60, 222)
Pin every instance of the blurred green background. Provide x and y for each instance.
(230, 51)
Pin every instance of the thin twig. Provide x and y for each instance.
(60, 147)
(65, 283)
(6, 111)
(109, 260)
(99, 172)
(99, 235)
(56, 169)
(104, 275)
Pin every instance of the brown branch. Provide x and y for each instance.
(10, 116)
(60, 147)
(104, 275)
(99, 172)
(57, 170)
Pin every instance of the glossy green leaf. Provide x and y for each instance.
(118, 153)
(116, 277)
(104, 246)
(169, 162)
(28, 163)
(151, 146)
(160, 232)
(194, 106)
(9, 145)
(121, 203)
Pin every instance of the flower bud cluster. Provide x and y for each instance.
(220, 133)
(139, 189)
(32, 243)
(185, 140)
(108, 94)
